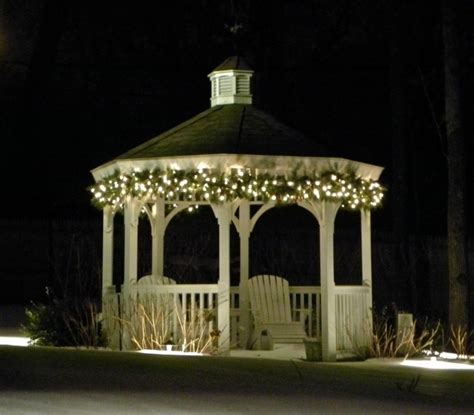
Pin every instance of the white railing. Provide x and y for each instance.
(234, 316)
(305, 304)
(352, 316)
(351, 302)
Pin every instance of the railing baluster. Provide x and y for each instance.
(310, 315)
(193, 307)
(175, 315)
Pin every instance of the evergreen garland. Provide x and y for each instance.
(214, 186)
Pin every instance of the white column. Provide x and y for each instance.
(158, 237)
(327, 215)
(107, 250)
(365, 228)
(366, 248)
(130, 244)
(223, 214)
(244, 305)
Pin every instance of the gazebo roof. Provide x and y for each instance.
(228, 129)
(233, 62)
(234, 132)
(235, 142)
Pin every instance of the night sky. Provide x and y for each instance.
(83, 82)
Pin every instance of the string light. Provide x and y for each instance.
(214, 186)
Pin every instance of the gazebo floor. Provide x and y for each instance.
(283, 352)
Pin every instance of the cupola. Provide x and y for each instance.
(230, 82)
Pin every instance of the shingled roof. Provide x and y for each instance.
(233, 132)
(233, 62)
(228, 129)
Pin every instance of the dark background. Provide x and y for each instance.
(82, 82)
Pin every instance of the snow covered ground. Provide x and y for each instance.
(41, 380)
(36, 380)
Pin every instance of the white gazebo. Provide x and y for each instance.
(231, 157)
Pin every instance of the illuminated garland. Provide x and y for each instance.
(218, 187)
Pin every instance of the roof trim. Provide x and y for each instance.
(262, 163)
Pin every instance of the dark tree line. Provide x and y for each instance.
(383, 82)
(460, 279)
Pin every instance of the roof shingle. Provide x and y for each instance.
(228, 129)
(233, 62)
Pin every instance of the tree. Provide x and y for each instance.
(398, 79)
(456, 216)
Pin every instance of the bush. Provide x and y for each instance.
(460, 340)
(64, 322)
(385, 341)
(149, 324)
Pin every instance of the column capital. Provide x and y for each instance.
(133, 206)
(324, 211)
(108, 219)
(223, 213)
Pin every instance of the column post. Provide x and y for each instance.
(158, 237)
(107, 250)
(223, 214)
(244, 305)
(132, 210)
(327, 215)
(366, 252)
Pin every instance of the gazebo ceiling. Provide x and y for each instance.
(229, 138)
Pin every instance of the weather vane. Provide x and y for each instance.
(235, 30)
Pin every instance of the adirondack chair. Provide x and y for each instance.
(156, 279)
(270, 306)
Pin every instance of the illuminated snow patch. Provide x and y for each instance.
(446, 355)
(14, 340)
(437, 364)
(170, 352)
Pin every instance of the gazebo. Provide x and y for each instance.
(240, 161)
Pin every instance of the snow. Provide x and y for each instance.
(47, 380)
(42, 380)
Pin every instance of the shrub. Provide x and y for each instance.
(64, 322)
(460, 340)
(385, 341)
(154, 321)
